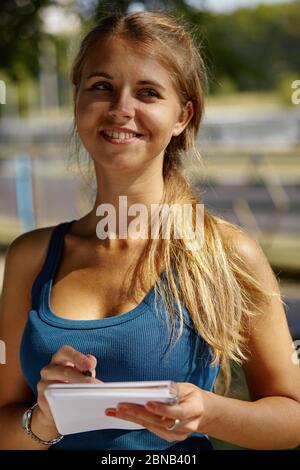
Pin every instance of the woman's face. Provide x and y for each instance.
(119, 99)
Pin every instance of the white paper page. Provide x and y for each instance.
(81, 407)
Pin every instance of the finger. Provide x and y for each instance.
(140, 413)
(93, 365)
(66, 363)
(182, 411)
(166, 434)
(42, 400)
(89, 356)
(98, 381)
(135, 416)
(64, 374)
(67, 353)
(153, 423)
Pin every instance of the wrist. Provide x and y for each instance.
(38, 429)
(41, 426)
(209, 415)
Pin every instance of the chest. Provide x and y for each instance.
(135, 347)
(94, 290)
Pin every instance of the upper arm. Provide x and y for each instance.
(269, 370)
(22, 261)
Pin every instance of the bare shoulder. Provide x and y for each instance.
(23, 260)
(249, 249)
(269, 368)
(32, 242)
(235, 234)
(27, 252)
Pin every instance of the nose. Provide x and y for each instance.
(122, 106)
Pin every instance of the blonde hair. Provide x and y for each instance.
(213, 283)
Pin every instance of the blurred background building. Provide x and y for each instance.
(250, 137)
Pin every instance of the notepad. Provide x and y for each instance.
(81, 407)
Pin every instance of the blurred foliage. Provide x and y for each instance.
(20, 35)
(104, 7)
(255, 47)
(248, 49)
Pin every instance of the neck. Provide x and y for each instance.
(114, 204)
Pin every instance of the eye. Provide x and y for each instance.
(96, 85)
(154, 93)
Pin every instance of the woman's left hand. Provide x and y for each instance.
(190, 411)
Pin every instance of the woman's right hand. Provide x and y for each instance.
(67, 366)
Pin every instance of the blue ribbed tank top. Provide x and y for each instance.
(133, 346)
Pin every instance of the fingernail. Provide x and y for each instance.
(86, 364)
(110, 413)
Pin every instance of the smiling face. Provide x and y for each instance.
(119, 99)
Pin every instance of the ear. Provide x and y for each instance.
(185, 116)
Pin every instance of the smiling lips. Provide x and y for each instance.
(120, 137)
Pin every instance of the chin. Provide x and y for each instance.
(117, 163)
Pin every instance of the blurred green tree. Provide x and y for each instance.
(247, 49)
(20, 35)
(255, 47)
(104, 7)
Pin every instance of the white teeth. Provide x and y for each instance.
(119, 135)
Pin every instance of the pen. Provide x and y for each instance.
(88, 373)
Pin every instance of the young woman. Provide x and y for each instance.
(75, 301)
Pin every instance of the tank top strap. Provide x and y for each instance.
(52, 258)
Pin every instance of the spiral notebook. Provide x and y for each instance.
(81, 407)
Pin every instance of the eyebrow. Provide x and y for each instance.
(140, 82)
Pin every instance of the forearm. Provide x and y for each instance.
(268, 423)
(13, 437)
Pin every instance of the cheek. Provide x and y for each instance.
(87, 114)
(160, 123)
